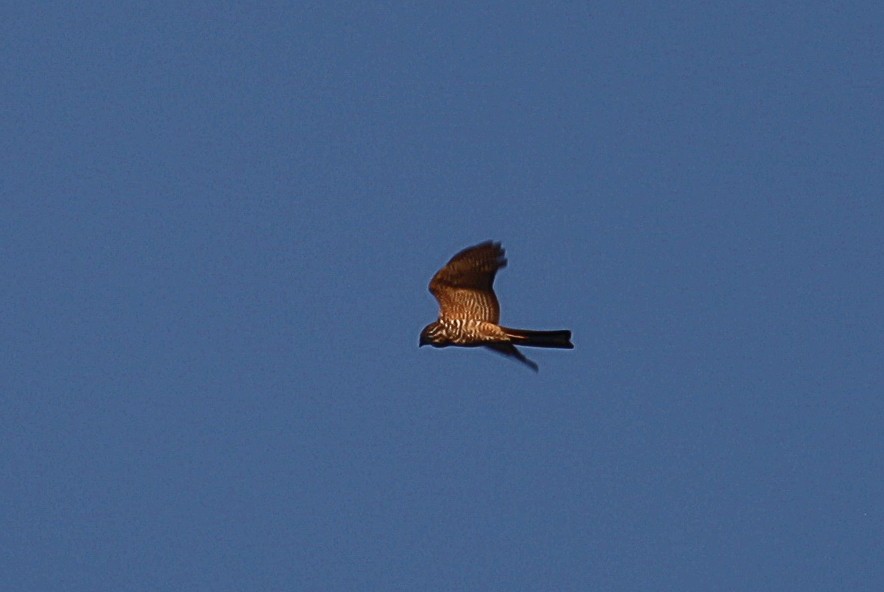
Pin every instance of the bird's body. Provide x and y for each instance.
(469, 313)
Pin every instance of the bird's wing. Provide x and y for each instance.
(464, 286)
(508, 349)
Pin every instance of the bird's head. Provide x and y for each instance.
(433, 334)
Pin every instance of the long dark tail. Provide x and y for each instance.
(559, 339)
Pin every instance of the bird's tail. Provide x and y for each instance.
(559, 339)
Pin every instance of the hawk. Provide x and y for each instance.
(468, 310)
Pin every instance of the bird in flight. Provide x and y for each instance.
(469, 313)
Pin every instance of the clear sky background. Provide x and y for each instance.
(219, 221)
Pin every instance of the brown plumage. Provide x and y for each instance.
(469, 313)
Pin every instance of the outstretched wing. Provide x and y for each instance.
(464, 286)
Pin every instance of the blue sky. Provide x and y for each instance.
(218, 226)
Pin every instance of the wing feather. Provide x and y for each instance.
(464, 286)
